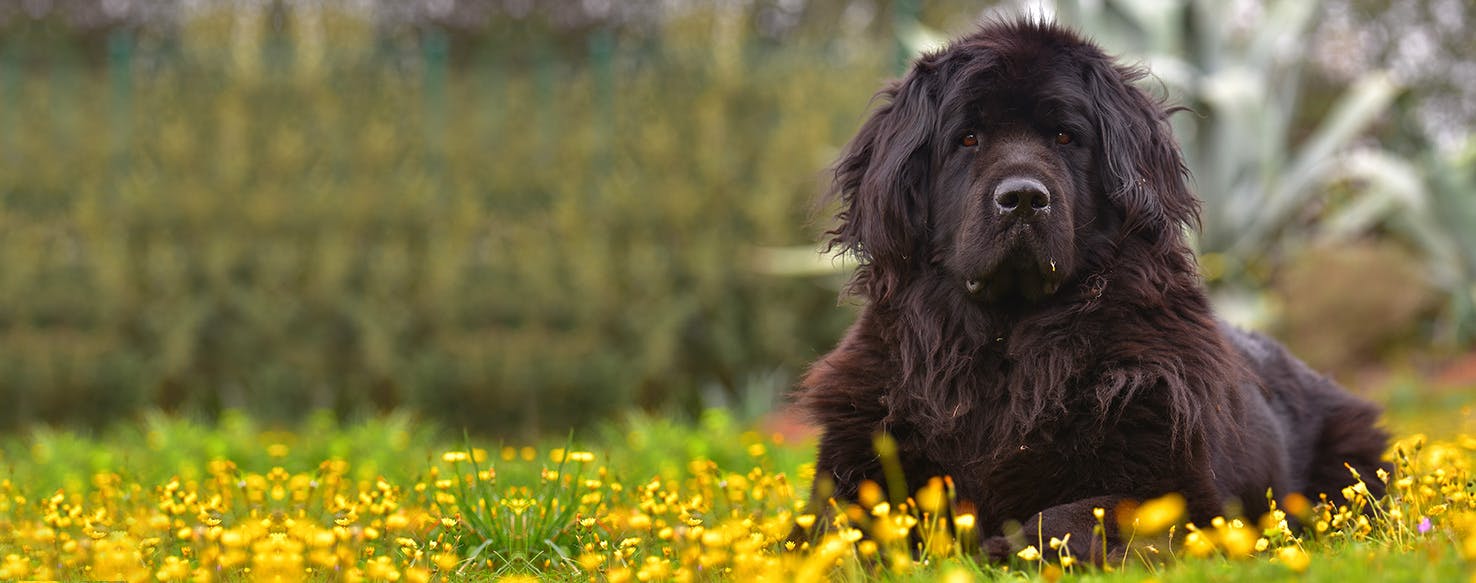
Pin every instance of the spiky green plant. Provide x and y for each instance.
(1262, 165)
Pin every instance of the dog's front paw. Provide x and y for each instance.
(998, 549)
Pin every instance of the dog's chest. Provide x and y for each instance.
(1017, 479)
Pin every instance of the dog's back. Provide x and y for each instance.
(1321, 425)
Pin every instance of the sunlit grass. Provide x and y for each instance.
(258, 505)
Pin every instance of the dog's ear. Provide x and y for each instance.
(1142, 168)
(881, 181)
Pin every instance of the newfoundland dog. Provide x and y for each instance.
(1034, 324)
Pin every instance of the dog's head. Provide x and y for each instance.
(1010, 162)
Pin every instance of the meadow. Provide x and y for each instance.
(646, 499)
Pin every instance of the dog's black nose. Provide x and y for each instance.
(1025, 196)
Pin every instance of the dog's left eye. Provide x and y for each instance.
(1063, 138)
(969, 140)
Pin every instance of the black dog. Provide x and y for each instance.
(1035, 325)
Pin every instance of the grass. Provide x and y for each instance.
(650, 499)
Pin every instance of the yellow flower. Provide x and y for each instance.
(454, 456)
(14, 567)
(1294, 558)
(1198, 545)
(932, 497)
(957, 575)
(173, 569)
(881, 509)
(869, 494)
(1156, 515)
(117, 559)
(1238, 540)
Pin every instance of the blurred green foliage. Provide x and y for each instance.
(524, 224)
(275, 217)
(1308, 182)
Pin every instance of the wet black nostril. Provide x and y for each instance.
(1010, 193)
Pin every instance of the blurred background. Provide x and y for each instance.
(521, 216)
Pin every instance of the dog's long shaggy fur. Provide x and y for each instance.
(1060, 358)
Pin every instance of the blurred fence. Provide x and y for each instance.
(278, 217)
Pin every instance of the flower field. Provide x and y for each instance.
(650, 500)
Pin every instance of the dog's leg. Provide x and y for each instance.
(1076, 519)
(1098, 540)
(842, 465)
(1350, 436)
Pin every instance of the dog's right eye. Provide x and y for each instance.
(969, 139)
